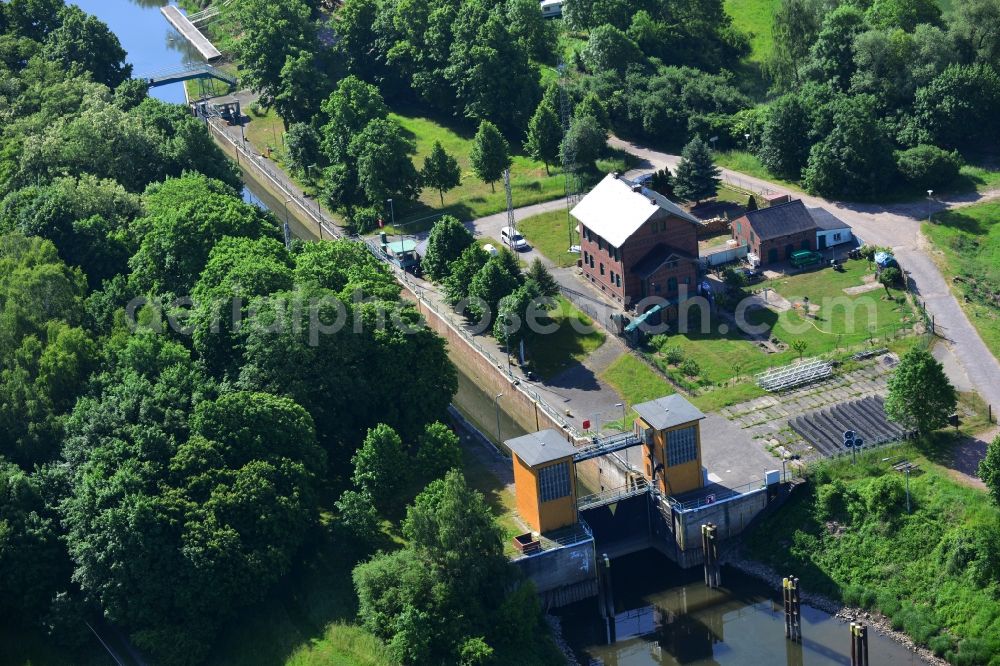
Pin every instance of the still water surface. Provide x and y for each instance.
(665, 616)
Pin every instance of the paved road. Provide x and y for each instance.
(896, 226)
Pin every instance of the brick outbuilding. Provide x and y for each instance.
(772, 234)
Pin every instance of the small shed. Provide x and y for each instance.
(403, 253)
(830, 229)
(544, 479)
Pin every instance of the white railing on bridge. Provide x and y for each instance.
(636, 487)
(602, 446)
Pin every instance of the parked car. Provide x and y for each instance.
(513, 239)
(805, 258)
(752, 275)
(490, 250)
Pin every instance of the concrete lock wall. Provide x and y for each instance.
(559, 568)
(597, 474)
(730, 516)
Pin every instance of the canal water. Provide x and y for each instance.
(664, 615)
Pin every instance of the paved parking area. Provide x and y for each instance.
(731, 455)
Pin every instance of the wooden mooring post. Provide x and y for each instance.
(793, 608)
(710, 546)
(859, 644)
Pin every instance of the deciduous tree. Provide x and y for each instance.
(584, 143)
(447, 241)
(920, 396)
(441, 171)
(385, 170)
(785, 141)
(490, 154)
(610, 49)
(83, 43)
(544, 135)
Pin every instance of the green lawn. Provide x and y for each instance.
(933, 572)
(343, 645)
(755, 17)
(842, 319)
(968, 240)
(636, 381)
(548, 233)
(530, 183)
(576, 337)
(748, 163)
(267, 132)
(842, 322)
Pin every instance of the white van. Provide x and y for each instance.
(510, 237)
(551, 8)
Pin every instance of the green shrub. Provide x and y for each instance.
(883, 495)
(917, 621)
(690, 368)
(832, 500)
(659, 341)
(971, 652)
(674, 355)
(928, 166)
(941, 645)
(364, 219)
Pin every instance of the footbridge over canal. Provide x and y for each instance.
(183, 73)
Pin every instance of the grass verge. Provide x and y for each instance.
(934, 572)
(968, 244)
(636, 381)
(548, 234)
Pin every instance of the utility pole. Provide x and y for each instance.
(930, 204)
(510, 209)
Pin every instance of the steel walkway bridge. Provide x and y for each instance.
(637, 487)
(602, 446)
(187, 73)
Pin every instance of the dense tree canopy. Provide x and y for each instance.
(185, 217)
(448, 593)
(272, 34)
(82, 43)
(169, 475)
